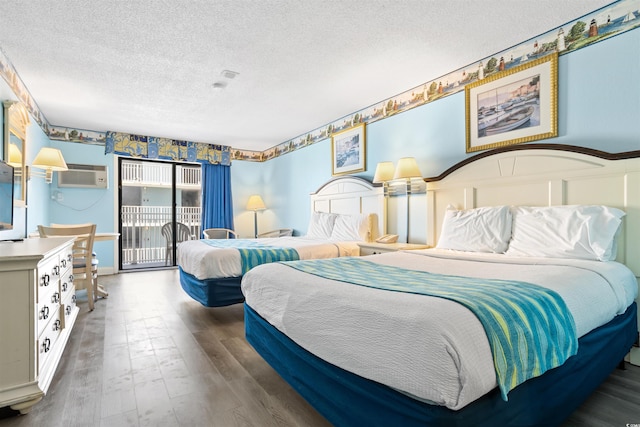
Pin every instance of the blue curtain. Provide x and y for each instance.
(217, 205)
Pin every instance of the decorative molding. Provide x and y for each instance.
(559, 147)
(347, 178)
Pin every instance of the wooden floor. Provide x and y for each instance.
(151, 356)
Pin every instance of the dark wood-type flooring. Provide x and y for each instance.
(149, 355)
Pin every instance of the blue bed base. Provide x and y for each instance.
(212, 292)
(346, 399)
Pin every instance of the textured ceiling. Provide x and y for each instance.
(147, 67)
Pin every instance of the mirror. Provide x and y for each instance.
(16, 120)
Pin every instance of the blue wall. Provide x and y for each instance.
(80, 205)
(598, 107)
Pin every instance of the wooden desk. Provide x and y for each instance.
(102, 237)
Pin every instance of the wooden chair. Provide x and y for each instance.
(183, 233)
(100, 291)
(220, 233)
(280, 232)
(83, 272)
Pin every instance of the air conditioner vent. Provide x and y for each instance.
(83, 176)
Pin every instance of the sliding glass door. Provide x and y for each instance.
(159, 206)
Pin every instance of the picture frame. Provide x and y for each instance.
(349, 150)
(513, 106)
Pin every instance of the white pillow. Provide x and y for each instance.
(352, 227)
(486, 229)
(583, 232)
(321, 225)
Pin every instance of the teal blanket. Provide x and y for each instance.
(253, 253)
(529, 327)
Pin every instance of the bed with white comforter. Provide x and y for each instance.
(211, 270)
(204, 261)
(430, 348)
(363, 351)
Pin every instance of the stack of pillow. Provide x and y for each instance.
(572, 231)
(330, 226)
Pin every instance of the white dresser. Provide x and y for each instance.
(37, 313)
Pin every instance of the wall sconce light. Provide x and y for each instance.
(255, 204)
(407, 169)
(51, 160)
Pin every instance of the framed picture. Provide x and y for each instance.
(348, 150)
(513, 106)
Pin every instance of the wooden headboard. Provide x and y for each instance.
(352, 195)
(544, 175)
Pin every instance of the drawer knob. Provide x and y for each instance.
(56, 325)
(63, 263)
(55, 270)
(44, 280)
(44, 313)
(55, 298)
(46, 345)
(67, 310)
(64, 286)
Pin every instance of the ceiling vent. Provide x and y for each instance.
(83, 176)
(228, 74)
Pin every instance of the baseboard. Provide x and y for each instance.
(106, 271)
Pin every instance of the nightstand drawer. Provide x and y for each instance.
(373, 248)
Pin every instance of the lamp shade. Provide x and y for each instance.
(407, 169)
(255, 203)
(15, 156)
(50, 159)
(384, 172)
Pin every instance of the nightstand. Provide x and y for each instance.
(372, 248)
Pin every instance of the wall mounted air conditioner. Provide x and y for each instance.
(84, 176)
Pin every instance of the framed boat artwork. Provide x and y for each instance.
(348, 150)
(513, 106)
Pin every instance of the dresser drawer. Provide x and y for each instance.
(66, 262)
(48, 278)
(48, 309)
(66, 283)
(68, 306)
(48, 337)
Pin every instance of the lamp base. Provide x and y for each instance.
(255, 224)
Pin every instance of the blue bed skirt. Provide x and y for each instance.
(212, 292)
(346, 399)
